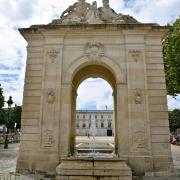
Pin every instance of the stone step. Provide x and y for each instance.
(156, 178)
(85, 150)
(75, 168)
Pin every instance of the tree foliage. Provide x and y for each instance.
(174, 120)
(16, 117)
(9, 116)
(3, 117)
(1, 98)
(171, 53)
(2, 111)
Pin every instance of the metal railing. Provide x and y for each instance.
(12, 138)
(10, 176)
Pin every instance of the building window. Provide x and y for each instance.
(109, 124)
(84, 125)
(89, 125)
(101, 116)
(89, 116)
(109, 116)
(77, 125)
(102, 124)
(77, 116)
(95, 116)
(84, 116)
(96, 125)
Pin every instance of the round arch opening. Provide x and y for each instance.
(92, 71)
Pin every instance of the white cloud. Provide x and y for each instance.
(23, 13)
(173, 103)
(161, 11)
(94, 93)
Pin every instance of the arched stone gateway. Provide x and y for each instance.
(93, 70)
(95, 42)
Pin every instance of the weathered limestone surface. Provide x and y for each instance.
(128, 55)
(106, 168)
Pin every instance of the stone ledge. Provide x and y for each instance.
(35, 28)
(101, 167)
(156, 178)
(90, 178)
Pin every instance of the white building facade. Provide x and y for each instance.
(104, 122)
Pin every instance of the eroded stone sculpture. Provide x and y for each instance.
(107, 14)
(50, 96)
(82, 12)
(138, 96)
(52, 55)
(75, 13)
(92, 16)
(94, 51)
(135, 55)
(47, 139)
(139, 140)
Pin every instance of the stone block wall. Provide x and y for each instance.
(159, 124)
(133, 55)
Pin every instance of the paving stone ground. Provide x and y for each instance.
(176, 158)
(8, 158)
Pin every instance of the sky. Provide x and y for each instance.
(98, 98)
(16, 14)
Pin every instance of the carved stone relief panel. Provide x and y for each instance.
(138, 97)
(52, 55)
(50, 96)
(47, 138)
(139, 140)
(94, 51)
(135, 55)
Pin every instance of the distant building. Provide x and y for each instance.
(2, 128)
(104, 120)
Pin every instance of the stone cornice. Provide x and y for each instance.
(37, 29)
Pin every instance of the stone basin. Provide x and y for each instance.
(91, 168)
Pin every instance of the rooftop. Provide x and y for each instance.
(94, 111)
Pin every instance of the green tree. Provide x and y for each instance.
(174, 120)
(2, 111)
(171, 53)
(3, 117)
(15, 117)
(1, 98)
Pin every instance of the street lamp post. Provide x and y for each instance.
(9, 102)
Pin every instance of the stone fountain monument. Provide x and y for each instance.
(87, 41)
